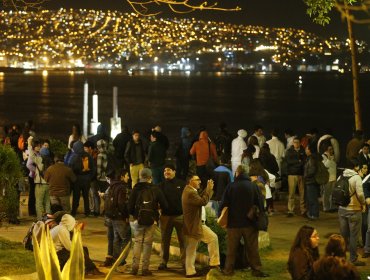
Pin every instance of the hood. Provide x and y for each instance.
(44, 152)
(349, 173)
(68, 221)
(101, 145)
(185, 132)
(78, 147)
(203, 136)
(101, 130)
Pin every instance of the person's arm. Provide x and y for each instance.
(127, 153)
(99, 166)
(162, 199)
(71, 176)
(131, 202)
(65, 239)
(201, 200)
(47, 174)
(359, 190)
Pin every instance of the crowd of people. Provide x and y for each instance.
(141, 188)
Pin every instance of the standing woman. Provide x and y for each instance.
(76, 135)
(303, 253)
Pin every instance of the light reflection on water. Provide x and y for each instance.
(241, 100)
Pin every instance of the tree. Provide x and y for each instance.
(142, 7)
(319, 10)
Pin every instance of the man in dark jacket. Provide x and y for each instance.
(143, 234)
(171, 217)
(119, 144)
(239, 197)
(295, 159)
(84, 168)
(156, 157)
(312, 188)
(116, 210)
(135, 156)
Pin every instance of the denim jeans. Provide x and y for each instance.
(143, 242)
(42, 200)
(94, 198)
(122, 236)
(110, 235)
(350, 226)
(312, 198)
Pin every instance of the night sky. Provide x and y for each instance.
(272, 13)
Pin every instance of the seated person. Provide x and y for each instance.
(62, 240)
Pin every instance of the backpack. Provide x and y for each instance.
(111, 207)
(34, 229)
(146, 207)
(322, 173)
(341, 194)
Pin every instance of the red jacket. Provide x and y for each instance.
(201, 149)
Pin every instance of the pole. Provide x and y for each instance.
(85, 108)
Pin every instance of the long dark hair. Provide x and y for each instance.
(336, 246)
(256, 169)
(303, 241)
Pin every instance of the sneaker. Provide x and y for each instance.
(358, 263)
(290, 214)
(259, 273)
(195, 275)
(366, 255)
(109, 261)
(147, 272)
(162, 266)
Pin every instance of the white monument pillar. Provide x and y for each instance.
(115, 121)
(94, 121)
(85, 109)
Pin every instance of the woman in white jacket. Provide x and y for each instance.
(238, 145)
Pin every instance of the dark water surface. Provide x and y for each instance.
(54, 101)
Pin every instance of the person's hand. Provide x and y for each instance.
(210, 184)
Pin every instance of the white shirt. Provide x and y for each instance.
(238, 145)
(276, 148)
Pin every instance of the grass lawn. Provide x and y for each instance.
(14, 259)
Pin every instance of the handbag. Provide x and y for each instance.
(222, 220)
(258, 218)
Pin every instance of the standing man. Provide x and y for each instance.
(60, 178)
(295, 158)
(350, 217)
(238, 145)
(364, 157)
(36, 166)
(172, 217)
(258, 133)
(354, 146)
(143, 207)
(276, 148)
(156, 157)
(84, 168)
(329, 161)
(195, 229)
(135, 156)
(240, 197)
(203, 149)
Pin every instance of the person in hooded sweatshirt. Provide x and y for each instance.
(238, 145)
(182, 153)
(350, 217)
(83, 166)
(100, 134)
(101, 175)
(203, 149)
(62, 241)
